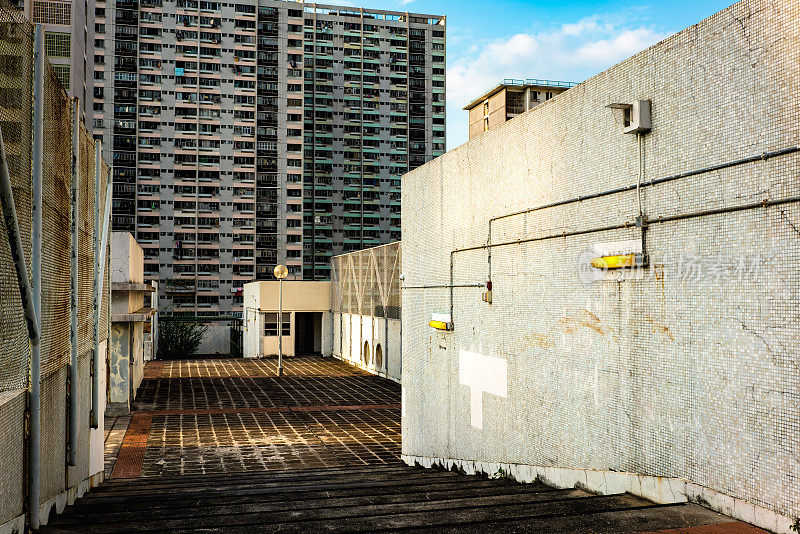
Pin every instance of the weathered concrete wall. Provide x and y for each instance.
(119, 385)
(126, 357)
(126, 365)
(383, 357)
(127, 258)
(216, 340)
(12, 455)
(690, 371)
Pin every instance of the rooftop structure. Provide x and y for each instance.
(508, 99)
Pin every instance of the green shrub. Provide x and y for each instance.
(178, 339)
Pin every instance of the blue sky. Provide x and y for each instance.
(552, 39)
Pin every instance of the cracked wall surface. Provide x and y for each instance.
(688, 368)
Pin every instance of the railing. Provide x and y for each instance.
(538, 81)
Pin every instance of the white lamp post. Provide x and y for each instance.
(280, 273)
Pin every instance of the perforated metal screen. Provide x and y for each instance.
(367, 282)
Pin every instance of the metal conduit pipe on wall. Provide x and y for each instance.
(94, 415)
(104, 274)
(656, 181)
(96, 292)
(658, 220)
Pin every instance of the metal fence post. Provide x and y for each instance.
(37, 172)
(95, 415)
(73, 332)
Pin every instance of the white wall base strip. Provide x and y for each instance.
(366, 368)
(15, 526)
(68, 497)
(57, 504)
(662, 490)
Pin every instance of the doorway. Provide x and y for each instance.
(308, 333)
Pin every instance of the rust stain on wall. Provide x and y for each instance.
(539, 340)
(583, 318)
(663, 330)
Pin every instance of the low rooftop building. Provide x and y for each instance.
(508, 99)
(305, 325)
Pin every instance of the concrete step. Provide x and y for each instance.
(361, 499)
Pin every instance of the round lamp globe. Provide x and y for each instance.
(280, 271)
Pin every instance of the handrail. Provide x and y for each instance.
(538, 81)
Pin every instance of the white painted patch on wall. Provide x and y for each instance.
(482, 374)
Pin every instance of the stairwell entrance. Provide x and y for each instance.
(308, 337)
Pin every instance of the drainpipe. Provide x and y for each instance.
(100, 276)
(641, 220)
(73, 331)
(37, 172)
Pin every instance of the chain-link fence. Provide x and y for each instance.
(16, 68)
(16, 97)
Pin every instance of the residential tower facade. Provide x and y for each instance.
(68, 42)
(247, 134)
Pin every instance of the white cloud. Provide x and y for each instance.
(572, 52)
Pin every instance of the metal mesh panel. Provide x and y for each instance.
(55, 225)
(16, 89)
(16, 67)
(367, 282)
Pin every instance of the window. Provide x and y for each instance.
(57, 44)
(52, 13)
(271, 324)
(62, 73)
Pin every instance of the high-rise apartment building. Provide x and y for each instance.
(506, 100)
(249, 133)
(68, 42)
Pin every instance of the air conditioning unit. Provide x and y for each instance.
(636, 117)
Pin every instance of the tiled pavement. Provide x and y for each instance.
(233, 415)
(115, 429)
(317, 450)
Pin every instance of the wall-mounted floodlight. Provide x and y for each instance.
(618, 262)
(441, 321)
